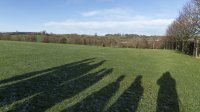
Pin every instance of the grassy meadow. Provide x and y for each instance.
(38, 77)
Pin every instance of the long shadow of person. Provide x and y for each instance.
(98, 100)
(31, 74)
(49, 87)
(129, 100)
(167, 100)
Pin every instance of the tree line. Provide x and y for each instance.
(183, 33)
(109, 40)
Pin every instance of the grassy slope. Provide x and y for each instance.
(18, 58)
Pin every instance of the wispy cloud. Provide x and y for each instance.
(108, 12)
(91, 13)
(82, 1)
(115, 20)
(143, 26)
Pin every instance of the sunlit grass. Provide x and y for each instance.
(55, 77)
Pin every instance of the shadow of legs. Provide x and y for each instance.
(98, 100)
(129, 100)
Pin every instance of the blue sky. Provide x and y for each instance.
(149, 17)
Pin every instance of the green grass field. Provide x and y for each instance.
(37, 77)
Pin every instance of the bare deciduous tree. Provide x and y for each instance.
(185, 27)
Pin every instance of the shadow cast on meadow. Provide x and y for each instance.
(43, 89)
(98, 100)
(129, 100)
(39, 91)
(167, 100)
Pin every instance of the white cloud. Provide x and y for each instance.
(91, 13)
(140, 25)
(115, 20)
(114, 12)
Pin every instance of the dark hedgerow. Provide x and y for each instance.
(46, 40)
(31, 38)
(63, 40)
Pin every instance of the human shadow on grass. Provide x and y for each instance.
(31, 74)
(98, 100)
(129, 100)
(167, 100)
(51, 86)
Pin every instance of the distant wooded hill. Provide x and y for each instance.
(109, 40)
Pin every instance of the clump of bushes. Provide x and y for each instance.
(46, 40)
(31, 38)
(104, 41)
(63, 40)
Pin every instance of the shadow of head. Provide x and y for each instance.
(167, 75)
(138, 79)
(166, 79)
(120, 78)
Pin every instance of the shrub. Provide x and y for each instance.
(31, 38)
(63, 40)
(46, 40)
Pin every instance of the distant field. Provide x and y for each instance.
(37, 77)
